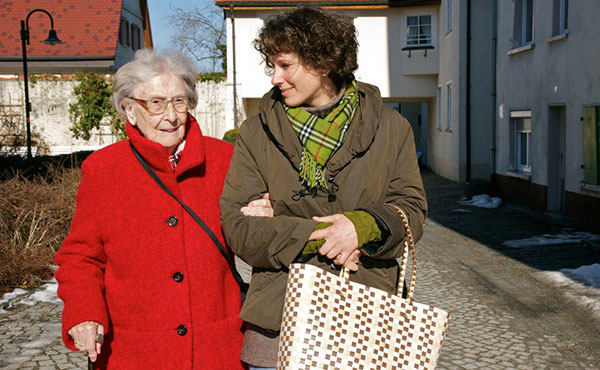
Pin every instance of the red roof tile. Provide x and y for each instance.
(89, 28)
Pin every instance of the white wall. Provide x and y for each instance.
(381, 34)
(50, 112)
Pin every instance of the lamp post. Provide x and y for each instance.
(52, 40)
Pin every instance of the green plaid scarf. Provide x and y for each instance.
(322, 137)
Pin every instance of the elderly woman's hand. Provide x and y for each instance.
(88, 337)
(341, 241)
(259, 207)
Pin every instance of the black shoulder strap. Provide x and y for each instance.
(236, 274)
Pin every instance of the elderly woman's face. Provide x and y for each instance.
(298, 83)
(167, 128)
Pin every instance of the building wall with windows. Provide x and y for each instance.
(547, 94)
(444, 137)
(402, 64)
(131, 32)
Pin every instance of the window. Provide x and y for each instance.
(523, 23)
(560, 15)
(122, 32)
(135, 37)
(521, 140)
(449, 16)
(418, 31)
(127, 39)
(449, 106)
(591, 144)
(439, 109)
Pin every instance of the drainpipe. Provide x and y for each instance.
(494, 87)
(468, 78)
(235, 108)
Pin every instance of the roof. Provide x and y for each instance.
(287, 3)
(89, 28)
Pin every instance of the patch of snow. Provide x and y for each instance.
(482, 201)
(575, 237)
(12, 295)
(580, 286)
(46, 293)
(589, 274)
(462, 210)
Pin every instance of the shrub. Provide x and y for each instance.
(35, 214)
(230, 136)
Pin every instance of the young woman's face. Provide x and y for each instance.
(299, 84)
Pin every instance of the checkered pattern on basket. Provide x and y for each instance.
(330, 322)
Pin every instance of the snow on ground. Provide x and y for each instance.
(482, 201)
(580, 285)
(45, 293)
(462, 210)
(573, 237)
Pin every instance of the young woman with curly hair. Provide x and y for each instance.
(315, 172)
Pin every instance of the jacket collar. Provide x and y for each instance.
(158, 156)
(359, 138)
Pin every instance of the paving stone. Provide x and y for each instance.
(502, 316)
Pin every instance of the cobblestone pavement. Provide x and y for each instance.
(503, 315)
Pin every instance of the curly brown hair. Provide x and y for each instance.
(322, 40)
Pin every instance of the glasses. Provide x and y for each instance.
(157, 106)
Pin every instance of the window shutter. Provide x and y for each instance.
(590, 143)
(127, 41)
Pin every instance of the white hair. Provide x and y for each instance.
(148, 64)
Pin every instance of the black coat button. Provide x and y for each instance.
(181, 330)
(178, 277)
(331, 197)
(172, 221)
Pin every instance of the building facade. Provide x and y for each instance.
(548, 105)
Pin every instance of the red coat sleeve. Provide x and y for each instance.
(82, 260)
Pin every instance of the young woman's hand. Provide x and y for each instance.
(341, 241)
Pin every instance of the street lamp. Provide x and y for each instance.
(52, 40)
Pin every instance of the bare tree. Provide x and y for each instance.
(200, 32)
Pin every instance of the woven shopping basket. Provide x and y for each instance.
(330, 322)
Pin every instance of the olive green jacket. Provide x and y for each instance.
(376, 164)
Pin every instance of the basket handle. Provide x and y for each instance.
(409, 245)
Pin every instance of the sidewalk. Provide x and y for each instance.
(506, 311)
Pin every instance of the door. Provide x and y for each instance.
(556, 158)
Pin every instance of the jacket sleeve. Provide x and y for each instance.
(82, 260)
(404, 190)
(264, 242)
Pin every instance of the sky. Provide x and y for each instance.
(159, 19)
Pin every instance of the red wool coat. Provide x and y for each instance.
(137, 263)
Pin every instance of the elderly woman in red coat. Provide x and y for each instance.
(144, 286)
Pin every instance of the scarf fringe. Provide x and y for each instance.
(309, 167)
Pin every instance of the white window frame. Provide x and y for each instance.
(449, 106)
(448, 16)
(419, 36)
(516, 116)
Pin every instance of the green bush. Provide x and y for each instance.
(230, 136)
